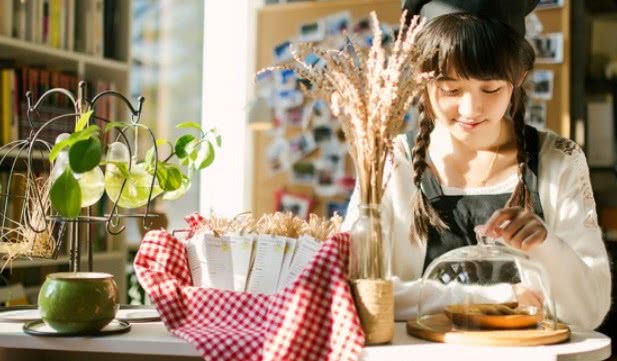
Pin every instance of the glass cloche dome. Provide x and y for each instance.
(488, 286)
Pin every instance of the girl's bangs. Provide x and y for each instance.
(471, 48)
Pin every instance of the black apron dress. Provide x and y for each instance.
(461, 213)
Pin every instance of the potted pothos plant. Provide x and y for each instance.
(78, 180)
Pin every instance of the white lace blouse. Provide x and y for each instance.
(573, 253)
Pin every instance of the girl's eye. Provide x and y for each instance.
(448, 91)
(492, 91)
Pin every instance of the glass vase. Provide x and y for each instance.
(370, 275)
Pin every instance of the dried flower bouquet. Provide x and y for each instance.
(370, 93)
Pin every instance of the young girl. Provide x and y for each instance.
(473, 162)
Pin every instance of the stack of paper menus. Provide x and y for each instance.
(252, 263)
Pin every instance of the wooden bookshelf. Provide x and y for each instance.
(90, 66)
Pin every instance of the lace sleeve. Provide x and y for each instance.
(583, 183)
(582, 290)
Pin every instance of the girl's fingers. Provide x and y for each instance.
(534, 239)
(521, 235)
(510, 231)
(498, 218)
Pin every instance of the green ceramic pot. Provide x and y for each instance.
(78, 302)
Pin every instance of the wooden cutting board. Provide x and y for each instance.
(439, 328)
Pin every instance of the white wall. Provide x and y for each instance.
(229, 63)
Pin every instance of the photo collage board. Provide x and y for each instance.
(306, 140)
(549, 48)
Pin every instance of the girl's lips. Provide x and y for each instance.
(469, 125)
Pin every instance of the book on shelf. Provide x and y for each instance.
(17, 80)
(6, 17)
(88, 26)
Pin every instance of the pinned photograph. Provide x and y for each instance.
(329, 169)
(276, 155)
(339, 208)
(542, 84)
(296, 203)
(334, 155)
(387, 37)
(536, 114)
(337, 23)
(333, 42)
(303, 173)
(288, 99)
(264, 84)
(322, 134)
(291, 117)
(311, 59)
(547, 4)
(533, 25)
(321, 113)
(312, 32)
(346, 184)
(363, 25)
(325, 180)
(548, 47)
(282, 52)
(301, 146)
(285, 79)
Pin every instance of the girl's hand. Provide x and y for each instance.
(517, 226)
(528, 297)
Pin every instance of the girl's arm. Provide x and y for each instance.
(573, 252)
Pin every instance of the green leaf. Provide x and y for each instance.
(112, 125)
(58, 147)
(181, 145)
(162, 141)
(65, 195)
(193, 150)
(72, 139)
(193, 125)
(169, 176)
(173, 195)
(149, 157)
(86, 133)
(83, 120)
(85, 154)
(205, 157)
(219, 140)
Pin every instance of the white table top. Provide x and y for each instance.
(154, 339)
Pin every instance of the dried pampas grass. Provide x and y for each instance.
(17, 238)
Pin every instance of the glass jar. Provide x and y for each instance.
(370, 275)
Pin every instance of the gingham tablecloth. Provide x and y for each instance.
(313, 319)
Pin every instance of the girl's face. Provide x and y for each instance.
(471, 109)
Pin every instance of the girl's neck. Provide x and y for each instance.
(469, 165)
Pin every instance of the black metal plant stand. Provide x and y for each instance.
(36, 148)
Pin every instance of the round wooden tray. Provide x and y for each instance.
(468, 316)
(439, 328)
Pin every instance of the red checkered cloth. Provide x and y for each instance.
(313, 319)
